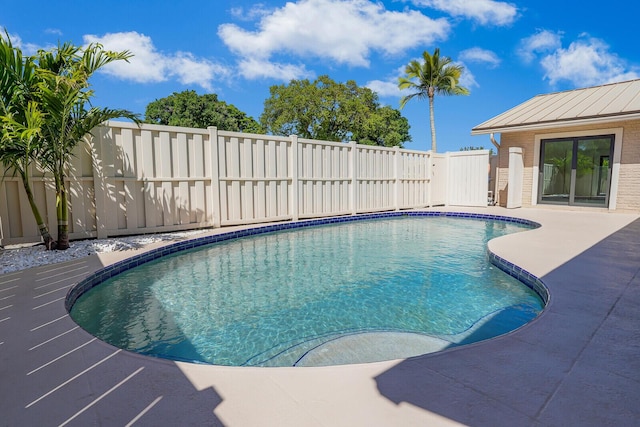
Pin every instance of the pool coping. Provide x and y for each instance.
(574, 364)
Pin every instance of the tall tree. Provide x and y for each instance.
(64, 94)
(434, 75)
(189, 109)
(326, 110)
(20, 133)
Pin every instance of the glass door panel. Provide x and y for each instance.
(592, 171)
(556, 171)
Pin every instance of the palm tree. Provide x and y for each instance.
(20, 133)
(65, 97)
(434, 75)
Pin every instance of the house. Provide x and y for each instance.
(573, 148)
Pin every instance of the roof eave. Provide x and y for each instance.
(555, 124)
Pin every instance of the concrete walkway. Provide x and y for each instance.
(578, 363)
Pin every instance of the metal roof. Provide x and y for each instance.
(606, 103)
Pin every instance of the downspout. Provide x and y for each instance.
(495, 143)
(496, 194)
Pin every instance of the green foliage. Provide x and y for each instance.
(472, 148)
(434, 75)
(189, 109)
(20, 133)
(17, 84)
(330, 111)
(46, 112)
(384, 127)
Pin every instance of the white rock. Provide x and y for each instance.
(20, 257)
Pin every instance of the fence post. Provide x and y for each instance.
(295, 182)
(3, 207)
(447, 192)
(215, 176)
(99, 181)
(429, 186)
(397, 173)
(354, 177)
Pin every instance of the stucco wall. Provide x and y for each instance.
(629, 179)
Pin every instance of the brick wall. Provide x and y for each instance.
(629, 187)
(526, 141)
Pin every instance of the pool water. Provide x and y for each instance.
(354, 292)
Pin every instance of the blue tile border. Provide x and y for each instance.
(106, 273)
(522, 275)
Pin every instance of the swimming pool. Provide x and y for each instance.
(351, 292)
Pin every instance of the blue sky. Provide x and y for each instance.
(511, 51)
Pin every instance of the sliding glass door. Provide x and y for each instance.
(576, 171)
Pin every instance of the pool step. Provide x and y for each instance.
(371, 347)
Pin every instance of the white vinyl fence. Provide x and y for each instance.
(133, 180)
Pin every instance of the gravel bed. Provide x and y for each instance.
(20, 257)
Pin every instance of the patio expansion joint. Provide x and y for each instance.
(72, 379)
(102, 396)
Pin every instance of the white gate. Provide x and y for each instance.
(468, 178)
(438, 180)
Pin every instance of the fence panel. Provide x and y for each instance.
(324, 178)
(16, 228)
(413, 179)
(376, 178)
(80, 190)
(254, 178)
(156, 179)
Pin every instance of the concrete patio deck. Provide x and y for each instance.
(578, 363)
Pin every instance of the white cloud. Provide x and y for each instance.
(467, 79)
(252, 68)
(586, 62)
(479, 55)
(256, 11)
(53, 31)
(389, 86)
(342, 31)
(485, 12)
(148, 65)
(541, 42)
(385, 88)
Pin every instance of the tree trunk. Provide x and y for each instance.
(63, 236)
(432, 121)
(49, 243)
(62, 211)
